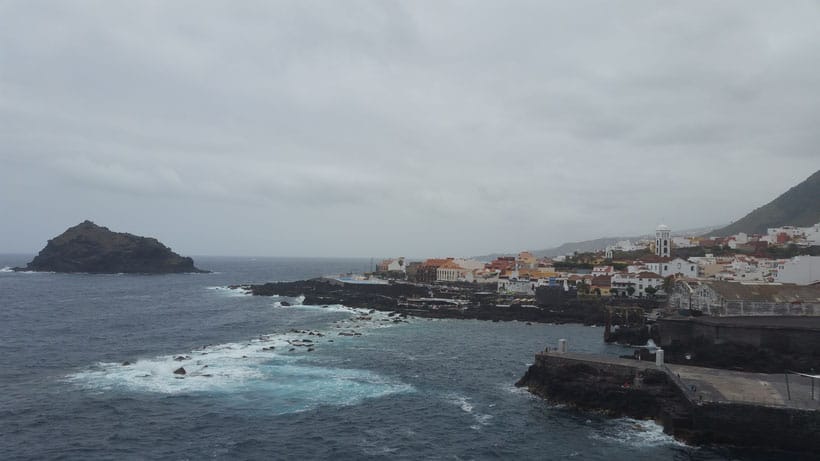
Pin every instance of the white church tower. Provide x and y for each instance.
(663, 241)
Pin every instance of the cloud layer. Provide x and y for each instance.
(385, 128)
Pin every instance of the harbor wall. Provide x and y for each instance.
(697, 331)
(618, 388)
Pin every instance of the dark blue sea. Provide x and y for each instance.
(426, 389)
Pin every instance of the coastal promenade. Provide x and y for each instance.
(696, 404)
(710, 385)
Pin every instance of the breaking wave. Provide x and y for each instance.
(238, 291)
(278, 372)
(636, 433)
(481, 419)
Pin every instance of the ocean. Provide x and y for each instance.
(422, 389)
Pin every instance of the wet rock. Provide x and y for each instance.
(180, 358)
(180, 371)
(284, 304)
(126, 363)
(310, 349)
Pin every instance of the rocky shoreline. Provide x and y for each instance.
(432, 301)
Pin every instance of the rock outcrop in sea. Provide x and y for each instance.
(94, 249)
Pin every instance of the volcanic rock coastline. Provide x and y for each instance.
(431, 301)
(93, 249)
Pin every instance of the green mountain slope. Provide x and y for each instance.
(799, 206)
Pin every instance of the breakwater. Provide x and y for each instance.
(697, 405)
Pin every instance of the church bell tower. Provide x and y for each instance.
(663, 241)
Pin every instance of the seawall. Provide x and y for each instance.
(621, 387)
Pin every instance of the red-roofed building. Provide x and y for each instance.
(503, 263)
(428, 271)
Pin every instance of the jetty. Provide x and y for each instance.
(698, 405)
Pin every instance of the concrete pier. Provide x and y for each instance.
(699, 405)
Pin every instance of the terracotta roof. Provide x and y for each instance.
(436, 262)
(649, 275)
(449, 264)
(602, 281)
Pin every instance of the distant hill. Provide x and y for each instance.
(581, 247)
(591, 245)
(94, 249)
(799, 206)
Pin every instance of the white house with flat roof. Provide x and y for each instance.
(800, 270)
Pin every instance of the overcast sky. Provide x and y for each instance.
(358, 128)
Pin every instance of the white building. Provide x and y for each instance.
(812, 234)
(469, 264)
(396, 265)
(622, 245)
(801, 270)
(639, 281)
(452, 272)
(674, 267)
(740, 238)
(392, 265)
(516, 286)
(663, 241)
(791, 231)
(601, 271)
(683, 242)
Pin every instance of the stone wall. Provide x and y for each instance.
(644, 391)
(686, 333)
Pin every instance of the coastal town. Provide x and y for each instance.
(783, 259)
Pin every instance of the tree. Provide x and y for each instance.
(667, 284)
(651, 291)
(630, 290)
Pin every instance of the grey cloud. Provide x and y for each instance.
(448, 127)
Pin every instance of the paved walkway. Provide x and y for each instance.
(716, 385)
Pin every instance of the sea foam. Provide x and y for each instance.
(238, 291)
(636, 433)
(274, 371)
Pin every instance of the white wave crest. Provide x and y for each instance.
(6, 269)
(228, 291)
(636, 433)
(482, 419)
(277, 369)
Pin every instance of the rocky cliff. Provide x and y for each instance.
(94, 249)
